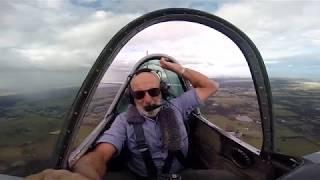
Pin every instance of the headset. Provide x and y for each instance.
(164, 87)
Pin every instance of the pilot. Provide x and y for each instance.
(152, 130)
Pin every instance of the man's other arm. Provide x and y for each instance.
(93, 164)
(203, 85)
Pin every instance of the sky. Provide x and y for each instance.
(53, 43)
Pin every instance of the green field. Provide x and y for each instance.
(290, 142)
(84, 131)
(27, 138)
(251, 133)
(30, 124)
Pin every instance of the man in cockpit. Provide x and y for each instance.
(152, 130)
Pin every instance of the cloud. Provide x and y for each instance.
(302, 67)
(52, 37)
(142, 7)
(67, 36)
(56, 34)
(279, 29)
(271, 62)
(193, 45)
(189, 42)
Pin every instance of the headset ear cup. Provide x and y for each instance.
(129, 95)
(164, 88)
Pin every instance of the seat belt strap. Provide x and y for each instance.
(144, 150)
(167, 163)
(169, 160)
(181, 158)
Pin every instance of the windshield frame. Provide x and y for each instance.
(247, 47)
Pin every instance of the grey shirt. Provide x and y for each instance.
(121, 134)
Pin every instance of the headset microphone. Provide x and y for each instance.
(152, 107)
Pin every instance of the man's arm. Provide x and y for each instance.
(57, 174)
(93, 164)
(203, 85)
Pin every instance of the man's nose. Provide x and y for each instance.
(147, 98)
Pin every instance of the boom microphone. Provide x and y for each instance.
(152, 107)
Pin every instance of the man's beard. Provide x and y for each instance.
(150, 111)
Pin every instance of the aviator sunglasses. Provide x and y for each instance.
(153, 92)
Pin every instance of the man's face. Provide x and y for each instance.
(146, 82)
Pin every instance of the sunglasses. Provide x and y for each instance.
(153, 92)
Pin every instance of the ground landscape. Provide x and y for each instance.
(297, 111)
(30, 123)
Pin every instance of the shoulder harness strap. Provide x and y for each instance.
(168, 162)
(136, 120)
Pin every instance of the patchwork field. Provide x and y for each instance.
(30, 124)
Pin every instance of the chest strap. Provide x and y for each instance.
(147, 157)
(168, 162)
(172, 142)
(144, 150)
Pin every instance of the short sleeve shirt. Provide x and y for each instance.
(121, 134)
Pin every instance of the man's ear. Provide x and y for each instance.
(128, 95)
(164, 87)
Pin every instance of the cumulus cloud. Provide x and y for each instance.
(192, 44)
(67, 36)
(57, 33)
(53, 36)
(279, 29)
(141, 7)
